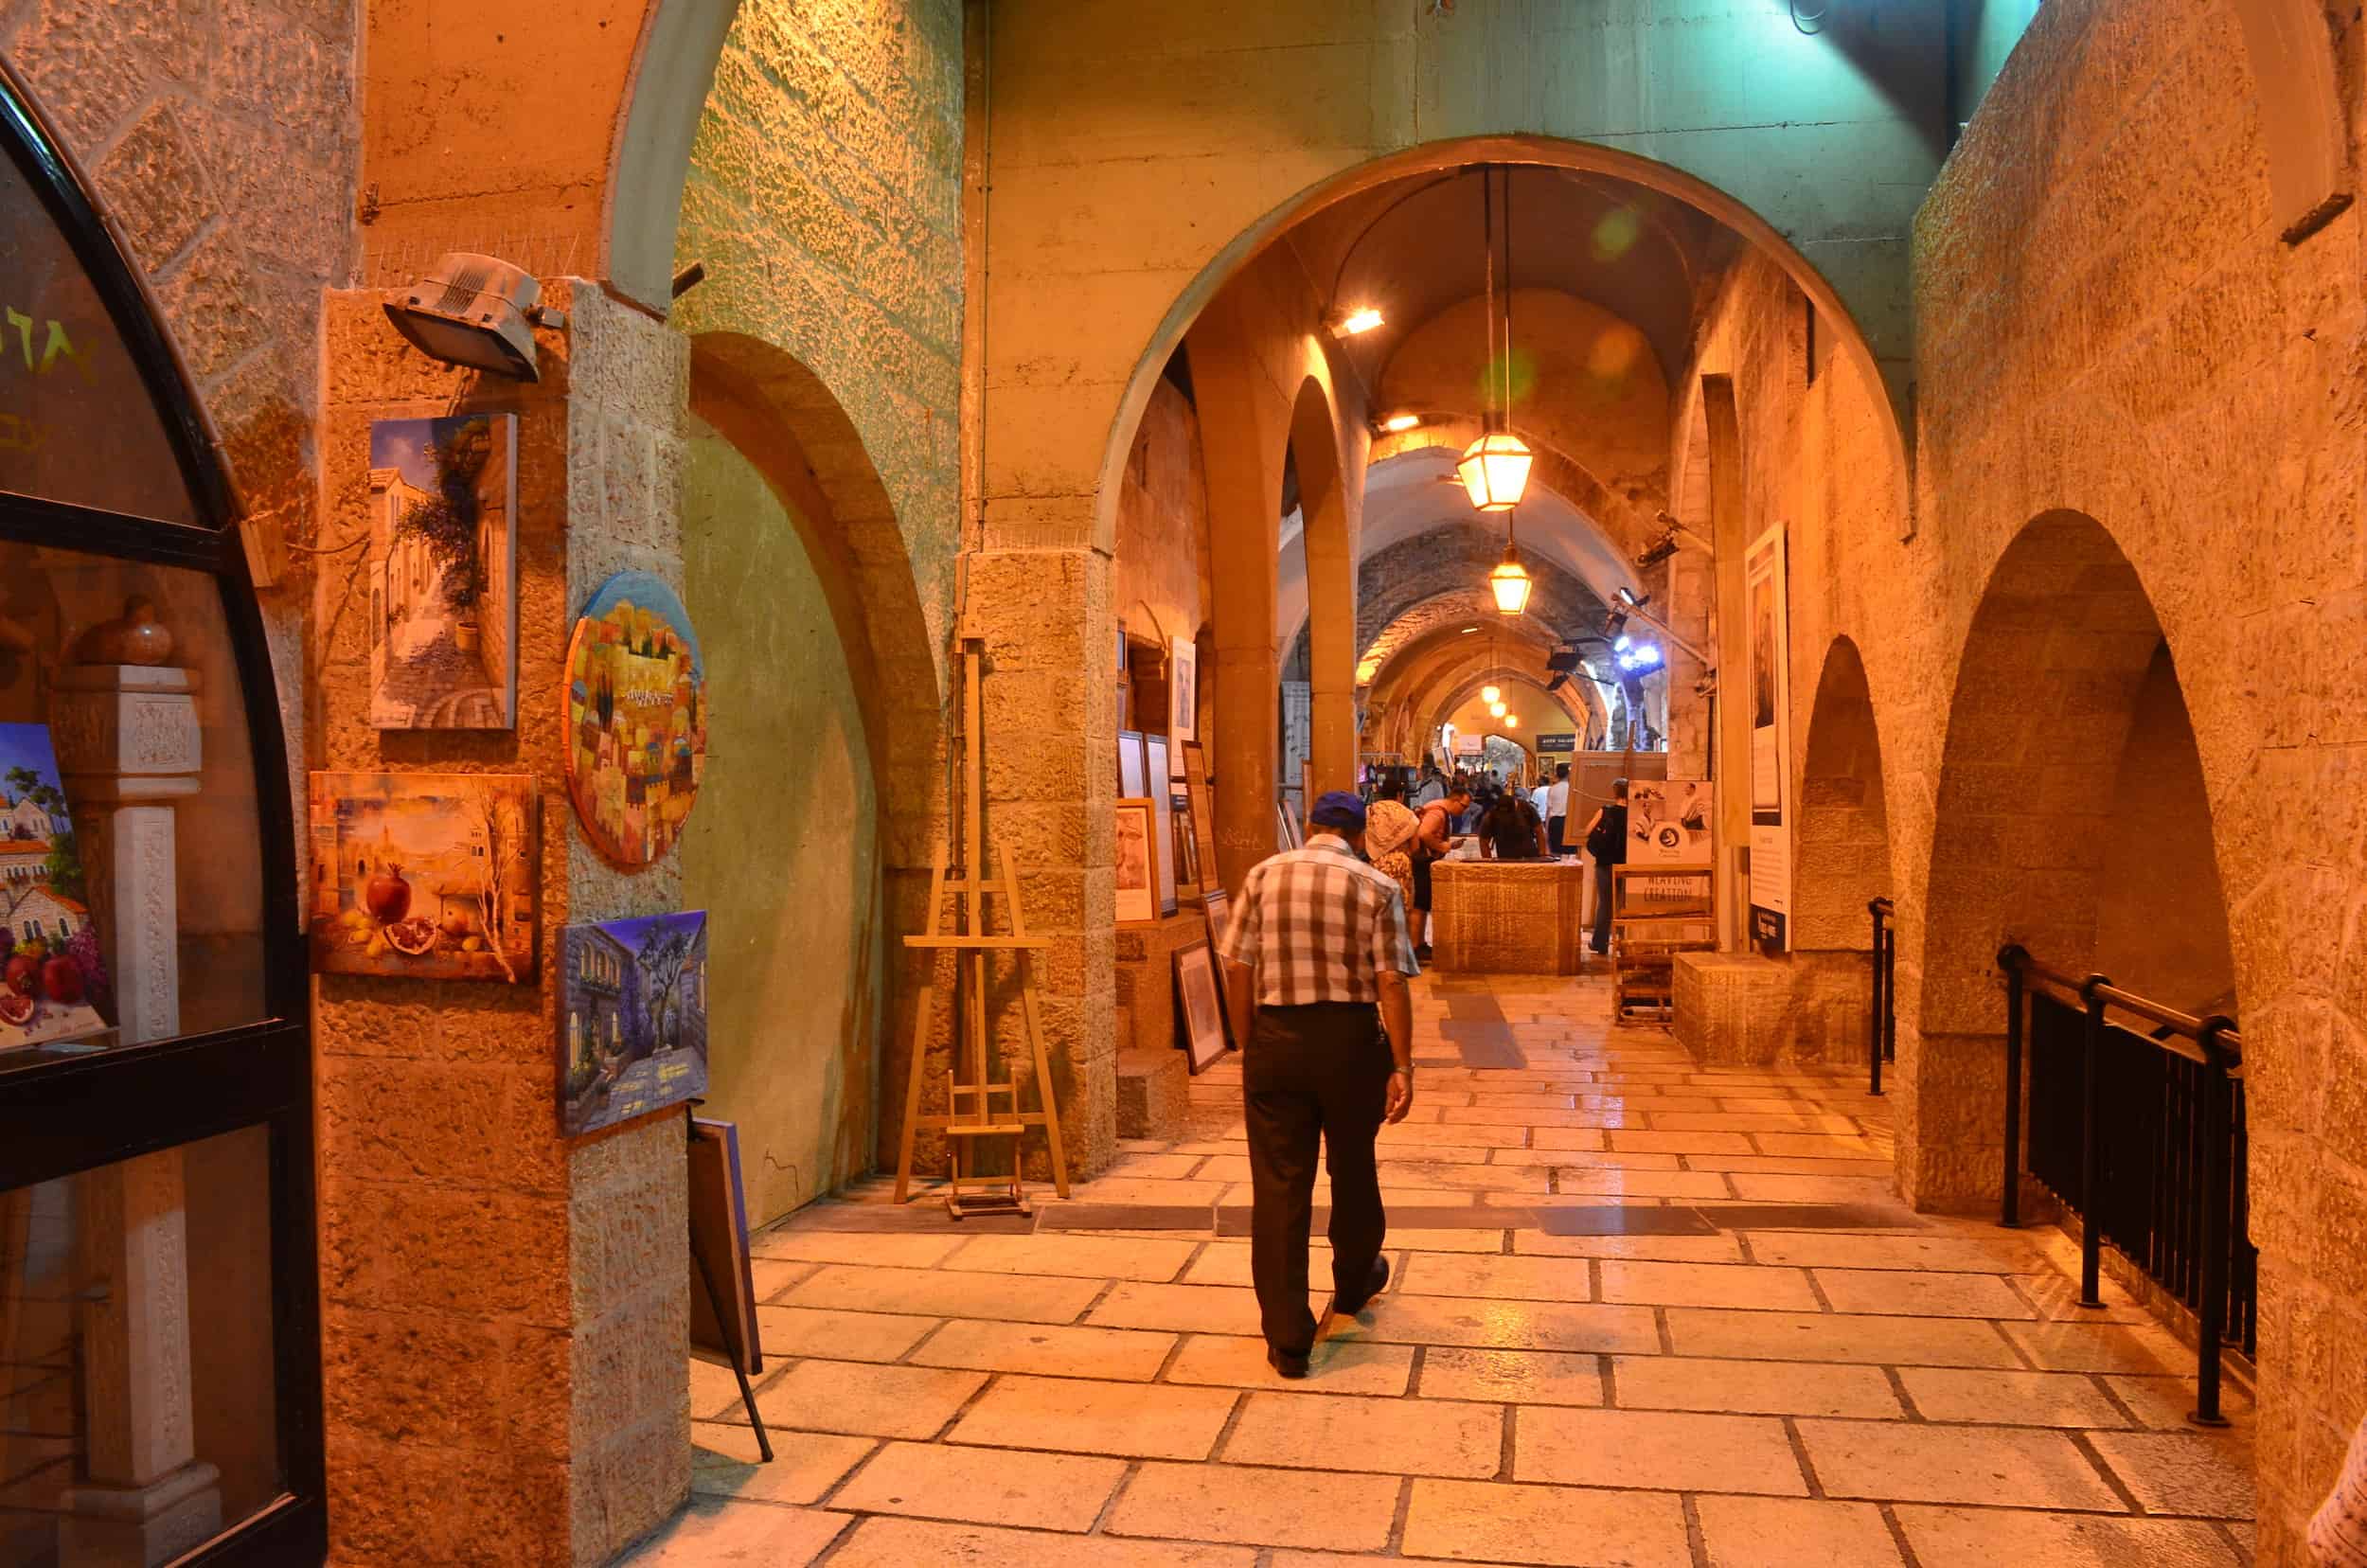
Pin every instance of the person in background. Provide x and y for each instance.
(1432, 787)
(1540, 795)
(1316, 961)
(1607, 844)
(1433, 837)
(1557, 810)
(1390, 829)
(1512, 829)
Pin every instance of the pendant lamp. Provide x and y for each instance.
(1509, 580)
(1495, 469)
(1492, 694)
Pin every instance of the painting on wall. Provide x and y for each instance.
(636, 719)
(424, 875)
(633, 1019)
(1138, 896)
(1767, 598)
(1162, 824)
(443, 572)
(54, 975)
(1183, 691)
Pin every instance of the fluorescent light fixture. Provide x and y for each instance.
(1362, 319)
(1397, 422)
(1468, 630)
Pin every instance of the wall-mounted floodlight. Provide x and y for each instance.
(1362, 319)
(1395, 423)
(475, 310)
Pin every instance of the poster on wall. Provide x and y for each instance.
(443, 572)
(1771, 741)
(633, 1019)
(1668, 823)
(424, 875)
(54, 972)
(636, 719)
(1182, 691)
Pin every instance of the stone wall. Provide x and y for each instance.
(1162, 564)
(504, 1314)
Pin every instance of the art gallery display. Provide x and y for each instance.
(1202, 1003)
(443, 572)
(636, 719)
(1770, 693)
(1163, 825)
(1137, 879)
(54, 977)
(1217, 905)
(424, 875)
(633, 1018)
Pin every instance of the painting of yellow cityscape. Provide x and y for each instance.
(442, 573)
(424, 875)
(636, 719)
(53, 973)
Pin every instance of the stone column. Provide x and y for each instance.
(128, 746)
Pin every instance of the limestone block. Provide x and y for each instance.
(1154, 1093)
(1732, 1009)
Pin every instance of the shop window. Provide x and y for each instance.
(159, 1334)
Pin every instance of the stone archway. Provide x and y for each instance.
(2064, 683)
(1328, 497)
(1840, 863)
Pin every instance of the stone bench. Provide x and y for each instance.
(1154, 1092)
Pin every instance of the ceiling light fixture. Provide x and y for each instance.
(1495, 469)
(1492, 694)
(1397, 422)
(1362, 319)
(1496, 710)
(1512, 720)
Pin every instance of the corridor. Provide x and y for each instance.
(1775, 1366)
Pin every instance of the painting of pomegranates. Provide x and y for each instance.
(636, 719)
(424, 875)
(52, 980)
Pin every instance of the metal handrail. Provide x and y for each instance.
(1882, 1014)
(2213, 1043)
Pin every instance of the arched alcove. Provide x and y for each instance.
(2069, 760)
(1843, 849)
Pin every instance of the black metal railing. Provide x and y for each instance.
(1882, 1027)
(2142, 1135)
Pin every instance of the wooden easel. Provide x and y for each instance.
(968, 1116)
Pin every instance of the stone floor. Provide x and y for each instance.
(1790, 1370)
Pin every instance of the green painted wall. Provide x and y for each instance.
(783, 849)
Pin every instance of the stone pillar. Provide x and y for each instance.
(128, 746)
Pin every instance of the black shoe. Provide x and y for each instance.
(1421, 954)
(1285, 1364)
(1348, 1306)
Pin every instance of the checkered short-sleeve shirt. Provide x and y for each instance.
(1319, 925)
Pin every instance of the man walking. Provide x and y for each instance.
(1317, 943)
(1557, 811)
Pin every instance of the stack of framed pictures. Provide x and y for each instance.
(1202, 1004)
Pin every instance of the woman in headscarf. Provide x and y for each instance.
(1389, 829)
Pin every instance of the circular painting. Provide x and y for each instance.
(636, 719)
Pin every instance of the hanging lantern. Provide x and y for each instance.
(1496, 709)
(1492, 694)
(1510, 582)
(1495, 470)
(1512, 720)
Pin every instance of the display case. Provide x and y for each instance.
(159, 1334)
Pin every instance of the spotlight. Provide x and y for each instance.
(1628, 597)
(475, 310)
(1660, 552)
(1562, 678)
(1362, 319)
(1621, 643)
(1641, 657)
(1397, 422)
(1615, 623)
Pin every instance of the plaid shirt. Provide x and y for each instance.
(1319, 925)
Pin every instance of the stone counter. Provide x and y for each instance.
(1507, 916)
(1743, 1009)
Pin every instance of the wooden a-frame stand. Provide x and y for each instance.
(968, 1116)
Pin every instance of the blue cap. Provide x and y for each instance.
(1337, 809)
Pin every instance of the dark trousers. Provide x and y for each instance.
(1558, 833)
(1320, 1072)
(1602, 905)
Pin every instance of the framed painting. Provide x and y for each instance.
(1197, 992)
(1183, 848)
(636, 719)
(1138, 893)
(1201, 792)
(1217, 904)
(54, 980)
(1183, 691)
(442, 572)
(633, 1019)
(424, 875)
(1162, 808)
(1133, 783)
(725, 1324)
